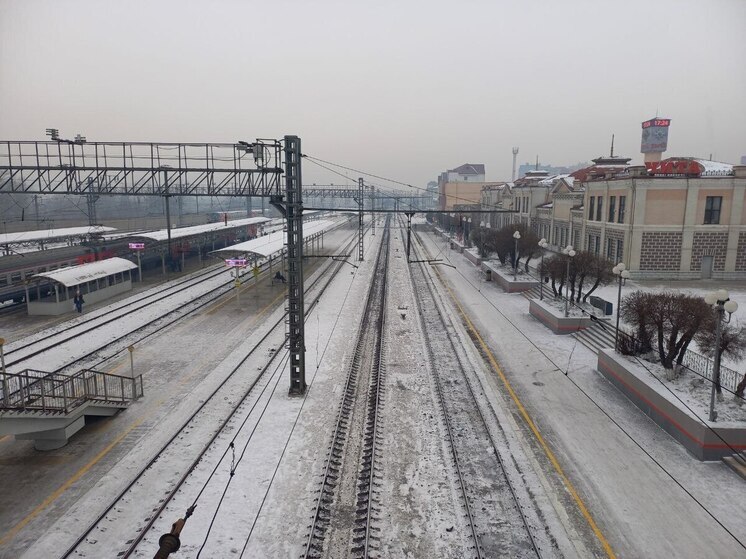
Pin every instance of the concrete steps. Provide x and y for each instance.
(599, 336)
(737, 463)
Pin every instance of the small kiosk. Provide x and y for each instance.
(96, 281)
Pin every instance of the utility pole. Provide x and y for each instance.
(360, 194)
(372, 210)
(168, 213)
(409, 232)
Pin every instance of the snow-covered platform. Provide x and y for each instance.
(706, 441)
(97, 281)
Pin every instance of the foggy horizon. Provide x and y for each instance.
(403, 90)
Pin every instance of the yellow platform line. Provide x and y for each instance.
(527, 418)
(65, 486)
(83, 470)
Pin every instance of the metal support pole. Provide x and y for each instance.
(360, 190)
(139, 266)
(132, 360)
(372, 210)
(409, 232)
(618, 307)
(515, 263)
(296, 311)
(168, 214)
(5, 376)
(567, 288)
(716, 367)
(541, 277)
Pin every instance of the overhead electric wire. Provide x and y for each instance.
(602, 410)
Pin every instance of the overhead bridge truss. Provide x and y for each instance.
(141, 168)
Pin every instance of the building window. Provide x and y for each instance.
(590, 243)
(599, 208)
(610, 249)
(592, 201)
(622, 203)
(712, 210)
(612, 204)
(619, 249)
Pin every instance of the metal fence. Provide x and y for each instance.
(705, 366)
(32, 390)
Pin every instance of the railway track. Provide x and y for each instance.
(16, 355)
(240, 394)
(344, 512)
(495, 517)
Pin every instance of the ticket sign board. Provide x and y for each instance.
(674, 167)
(655, 135)
(236, 262)
(137, 246)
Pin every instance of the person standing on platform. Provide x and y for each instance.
(78, 301)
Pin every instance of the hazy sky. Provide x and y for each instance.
(400, 88)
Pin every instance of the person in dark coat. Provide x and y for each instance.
(78, 301)
(279, 276)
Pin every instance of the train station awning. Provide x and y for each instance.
(42, 235)
(77, 275)
(181, 232)
(272, 243)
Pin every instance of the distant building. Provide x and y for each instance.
(550, 169)
(743, 160)
(462, 185)
(679, 218)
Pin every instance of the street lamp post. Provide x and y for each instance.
(569, 252)
(543, 244)
(719, 299)
(621, 271)
(516, 236)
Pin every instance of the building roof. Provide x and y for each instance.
(469, 169)
(77, 275)
(272, 243)
(52, 234)
(180, 232)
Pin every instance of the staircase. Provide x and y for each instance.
(737, 463)
(600, 335)
(533, 293)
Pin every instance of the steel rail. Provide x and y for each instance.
(132, 544)
(473, 397)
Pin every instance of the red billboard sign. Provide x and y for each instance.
(656, 122)
(685, 167)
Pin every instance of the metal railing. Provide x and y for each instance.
(701, 365)
(32, 390)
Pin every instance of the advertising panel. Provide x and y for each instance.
(655, 135)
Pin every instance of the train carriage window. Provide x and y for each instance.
(15, 277)
(3, 281)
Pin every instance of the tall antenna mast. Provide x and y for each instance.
(515, 156)
(612, 145)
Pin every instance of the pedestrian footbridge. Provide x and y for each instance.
(49, 408)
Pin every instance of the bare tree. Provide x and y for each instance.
(673, 319)
(602, 272)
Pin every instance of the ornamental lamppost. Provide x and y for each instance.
(569, 252)
(516, 236)
(543, 244)
(623, 274)
(719, 299)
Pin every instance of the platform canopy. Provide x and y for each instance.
(181, 232)
(41, 235)
(77, 275)
(272, 243)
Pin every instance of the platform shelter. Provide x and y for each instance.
(96, 281)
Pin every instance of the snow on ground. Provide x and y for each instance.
(642, 511)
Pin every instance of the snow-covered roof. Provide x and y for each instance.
(162, 235)
(76, 275)
(549, 181)
(272, 243)
(50, 234)
(715, 167)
